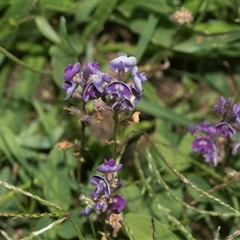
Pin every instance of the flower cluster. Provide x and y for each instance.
(104, 197)
(108, 92)
(182, 16)
(210, 140)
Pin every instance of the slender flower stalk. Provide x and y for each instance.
(115, 133)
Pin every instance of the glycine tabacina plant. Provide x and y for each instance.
(210, 140)
(118, 93)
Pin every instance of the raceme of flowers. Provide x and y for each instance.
(210, 140)
(104, 197)
(108, 92)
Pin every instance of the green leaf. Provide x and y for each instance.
(217, 79)
(199, 182)
(70, 229)
(164, 138)
(168, 201)
(52, 233)
(154, 109)
(61, 6)
(140, 227)
(19, 9)
(135, 203)
(128, 7)
(6, 175)
(4, 74)
(98, 19)
(189, 41)
(28, 80)
(44, 120)
(216, 26)
(55, 182)
(84, 10)
(47, 30)
(145, 36)
(10, 147)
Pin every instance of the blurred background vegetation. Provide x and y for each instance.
(188, 68)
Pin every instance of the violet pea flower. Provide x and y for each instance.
(122, 61)
(91, 68)
(109, 166)
(101, 185)
(69, 87)
(71, 70)
(202, 145)
(224, 129)
(86, 211)
(118, 203)
(123, 104)
(222, 105)
(119, 89)
(91, 92)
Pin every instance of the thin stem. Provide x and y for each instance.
(115, 133)
(185, 180)
(217, 187)
(82, 146)
(157, 201)
(21, 63)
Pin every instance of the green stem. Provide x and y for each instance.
(82, 146)
(26, 193)
(115, 133)
(157, 201)
(215, 188)
(185, 180)
(21, 63)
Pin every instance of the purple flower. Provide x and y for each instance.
(211, 157)
(123, 104)
(207, 148)
(118, 203)
(98, 82)
(106, 77)
(69, 88)
(191, 129)
(101, 205)
(119, 89)
(91, 92)
(142, 76)
(205, 127)
(235, 114)
(224, 129)
(91, 68)
(109, 166)
(71, 70)
(135, 97)
(236, 148)
(138, 79)
(223, 105)
(137, 83)
(202, 145)
(101, 185)
(86, 211)
(122, 62)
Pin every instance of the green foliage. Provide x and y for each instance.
(188, 68)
